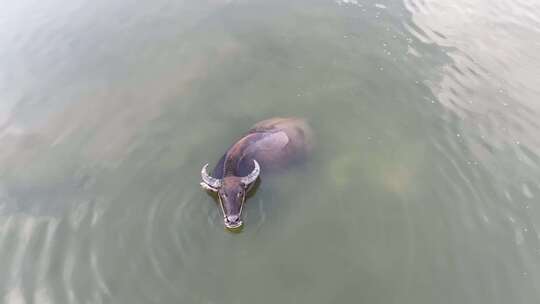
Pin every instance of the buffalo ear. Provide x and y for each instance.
(249, 187)
(208, 187)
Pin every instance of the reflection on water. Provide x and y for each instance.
(423, 188)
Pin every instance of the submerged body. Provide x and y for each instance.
(270, 144)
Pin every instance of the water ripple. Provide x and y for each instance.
(427, 177)
(489, 150)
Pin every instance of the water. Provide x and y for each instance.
(424, 186)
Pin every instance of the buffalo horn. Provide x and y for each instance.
(210, 181)
(253, 175)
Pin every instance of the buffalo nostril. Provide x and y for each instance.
(233, 218)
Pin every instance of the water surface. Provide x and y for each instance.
(423, 188)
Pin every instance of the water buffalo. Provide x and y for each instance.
(270, 144)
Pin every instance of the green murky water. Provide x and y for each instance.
(424, 186)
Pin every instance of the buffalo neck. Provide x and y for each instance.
(237, 156)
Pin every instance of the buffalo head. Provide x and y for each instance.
(231, 192)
